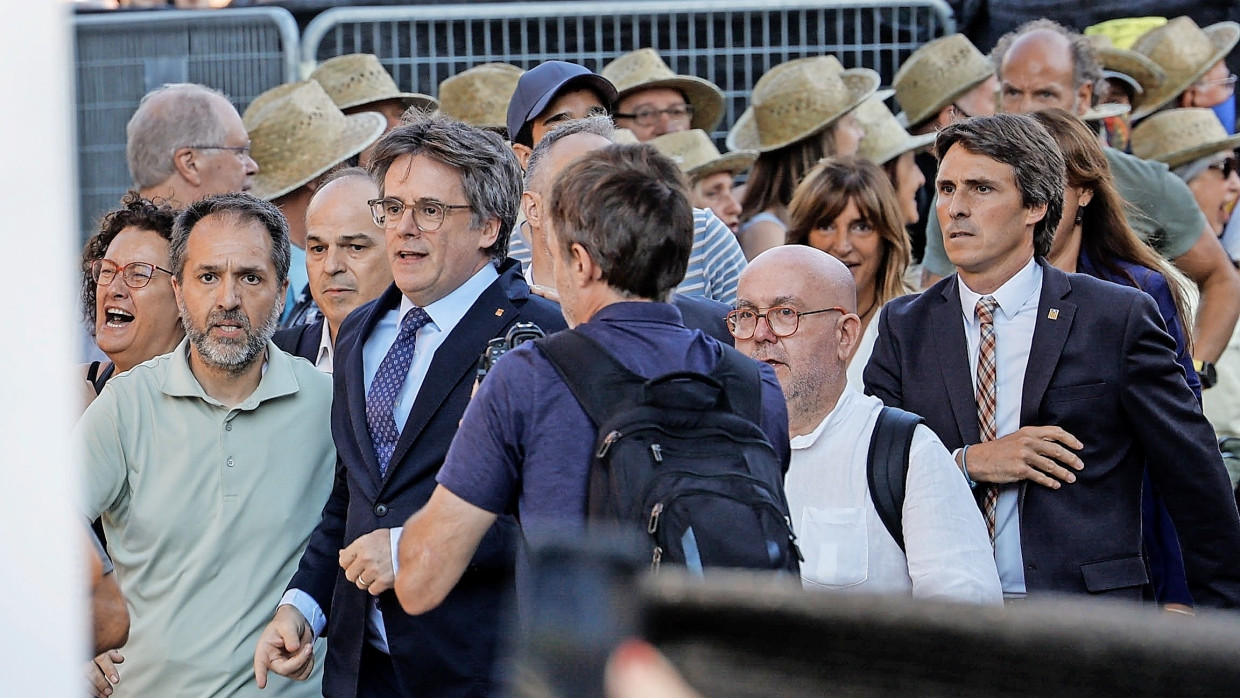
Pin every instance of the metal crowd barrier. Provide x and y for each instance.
(122, 56)
(729, 42)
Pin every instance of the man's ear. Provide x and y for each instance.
(490, 233)
(1085, 95)
(848, 335)
(531, 206)
(523, 153)
(1035, 214)
(580, 266)
(186, 162)
(176, 290)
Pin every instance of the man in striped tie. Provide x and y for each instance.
(1053, 390)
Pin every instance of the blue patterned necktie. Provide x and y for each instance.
(385, 389)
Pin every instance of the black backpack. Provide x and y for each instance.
(887, 467)
(682, 456)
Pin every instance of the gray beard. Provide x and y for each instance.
(231, 356)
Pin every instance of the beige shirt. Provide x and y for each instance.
(207, 510)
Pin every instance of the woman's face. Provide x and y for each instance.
(136, 324)
(909, 179)
(1216, 190)
(847, 135)
(851, 239)
(715, 193)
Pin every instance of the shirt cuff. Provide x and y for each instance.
(308, 607)
(395, 533)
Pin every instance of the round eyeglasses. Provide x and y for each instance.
(134, 274)
(428, 214)
(782, 320)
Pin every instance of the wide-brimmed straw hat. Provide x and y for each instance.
(938, 74)
(695, 154)
(797, 99)
(1185, 52)
(644, 69)
(479, 96)
(885, 139)
(359, 78)
(1178, 136)
(1105, 110)
(1141, 73)
(301, 135)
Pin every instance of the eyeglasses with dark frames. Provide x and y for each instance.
(134, 274)
(239, 150)
(428, 214)
(783, 320)
(650, 116)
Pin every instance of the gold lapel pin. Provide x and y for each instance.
(499, 312)
(1053, 314)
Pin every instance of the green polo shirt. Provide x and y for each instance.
(207, 510)
(1163, 211)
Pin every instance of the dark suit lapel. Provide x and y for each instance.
(457, 356)
(953, 354)
(1049, 334)
(355, 369)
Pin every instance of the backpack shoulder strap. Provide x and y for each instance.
(887, 467)
(599, 382)
(742, 384)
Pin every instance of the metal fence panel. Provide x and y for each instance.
(729, 42)
(122, 56)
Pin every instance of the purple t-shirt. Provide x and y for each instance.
(524, 445)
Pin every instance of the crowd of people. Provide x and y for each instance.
(1019, 286)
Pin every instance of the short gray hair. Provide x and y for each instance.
(242, 207)
(1085, 66)
(490, 174)
(1020, 142)
(599, 125)
(168, 118)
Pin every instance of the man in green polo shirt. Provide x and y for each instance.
(210, 465)
(1043, 65)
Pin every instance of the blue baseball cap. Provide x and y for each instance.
(539, 85)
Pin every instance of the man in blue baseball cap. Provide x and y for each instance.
(550, 94)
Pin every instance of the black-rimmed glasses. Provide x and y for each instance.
(428, 214)
(134, 274)
(783, 320)
(650, 116)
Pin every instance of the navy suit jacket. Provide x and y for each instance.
(705, 314)
(301, 340)
(1102, 367)
(451, 650)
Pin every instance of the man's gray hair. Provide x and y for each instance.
(599, 125)
(490, 173)
(243, 207)
(169, 118)
(1085, 66)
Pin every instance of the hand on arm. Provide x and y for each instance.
(286, 647)
(1038, 454)
(435, 548)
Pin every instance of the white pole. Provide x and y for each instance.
(42, 582)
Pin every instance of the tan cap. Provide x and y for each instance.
(937, 74)
(797, 99)
(885, 139)
(644, 69)
(1179, 136)
(359, 78)
(301, 134)
(695, 154)
(1185, 52)
(479, 96)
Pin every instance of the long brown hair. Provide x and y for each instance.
(825, 193)
(775, 174)
(1106, 236)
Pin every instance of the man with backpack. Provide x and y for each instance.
(573, 427)
(878, 504)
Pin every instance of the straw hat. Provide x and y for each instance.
(885, 139)
(624, 137)
(303, 134)
(1178, 136)
(644, 69)
(1104, 110)
(359, 78)
(1133, 68)
(479, 96)
(797, 99)
(1185, 52)
(937, 74)
(262, 104)
(696, 155)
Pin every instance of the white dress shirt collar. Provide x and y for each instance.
(1012, 295)
(326, 353)
(449, 310)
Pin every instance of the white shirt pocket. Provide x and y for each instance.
(835, 545)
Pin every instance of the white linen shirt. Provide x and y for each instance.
(845, 545)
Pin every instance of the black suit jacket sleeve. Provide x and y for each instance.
(1182, 458)
(882, 372)
(319, 566)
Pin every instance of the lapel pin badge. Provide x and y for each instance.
(499, 312)
(1053, 314)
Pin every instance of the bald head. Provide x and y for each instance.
(1045, 65)
(811, 361)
